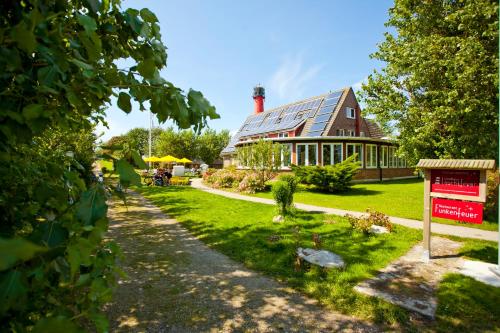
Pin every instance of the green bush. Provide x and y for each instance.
(292, 182)
(491, 206)
(364, 223)
(283, 196)
(331, 178)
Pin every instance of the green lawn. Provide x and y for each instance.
(241, 229)
(401, 198)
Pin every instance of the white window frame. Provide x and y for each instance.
(382, 159)
(349, 111)
(351, 133)
(332, 153)
(306, 155)
(341, 132)
(361, 155)
(369, 165)
(283, 135)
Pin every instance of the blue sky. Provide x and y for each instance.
(295, 49)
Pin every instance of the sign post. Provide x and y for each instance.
(453, 189)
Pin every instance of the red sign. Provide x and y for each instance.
(464, 211)
(463, 182)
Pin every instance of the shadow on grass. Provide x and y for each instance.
(467, 305)
(486, 254)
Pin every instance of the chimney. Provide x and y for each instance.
(259, 94)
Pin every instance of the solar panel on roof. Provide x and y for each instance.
(317, 127)
(331, 101)
(335, 94)
(315, 133)
(322, 118)
(326, 110)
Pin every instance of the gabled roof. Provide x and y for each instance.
(288, 117)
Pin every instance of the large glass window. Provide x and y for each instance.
(301, 155)
(355, 148)
(391, 157)
(384, 158)
(327, 154)
(332, 153)
(307, 154)
(371, 156)
(286, 155)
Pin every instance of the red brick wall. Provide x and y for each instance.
(369, 174)
(342, 122)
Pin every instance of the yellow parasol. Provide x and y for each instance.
(168, 159)
(185, 160)
(152, 159)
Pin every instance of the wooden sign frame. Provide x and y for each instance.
(428, 165)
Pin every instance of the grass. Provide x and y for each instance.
(241, 230)
(401, 198)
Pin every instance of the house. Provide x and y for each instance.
(322, 130)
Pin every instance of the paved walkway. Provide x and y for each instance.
(438, 228)
(175, 283)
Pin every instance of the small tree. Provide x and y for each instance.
(265, 157)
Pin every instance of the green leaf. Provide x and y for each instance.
(52, 233)
(16, 249)
(148, 15)
(24, 37)
(57, 324)
(147, 68)
(124, 102)
(12, 291)
(128, 176)
(100, 321)
(92, 205)
(88, 23)
(139, 162)
(81, 64)
(47, 75)
(32, 111)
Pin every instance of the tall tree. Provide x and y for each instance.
(59, 68)
(138, 138)
(210, 144)
(439, 86)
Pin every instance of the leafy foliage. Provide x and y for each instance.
(283, 191)
(58, 72)
(265, 157)
(331, 178)
(439, 88)
(364, 223)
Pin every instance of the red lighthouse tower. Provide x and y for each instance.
(259, 95)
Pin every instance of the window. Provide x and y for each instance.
(307, 154)
(384, 163)
(355, 148)
(351, 133)
(332, 153)
(362, 134)
(283, 135)
(371, 156)
(350, 113)
(286, 155)
(394, 160)
(340, 132)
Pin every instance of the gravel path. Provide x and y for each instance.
(438, 228)
(175, 283)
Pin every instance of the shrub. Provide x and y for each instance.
(364, 223)
(282, 193)
(491, 206)
(331, 178)
(251, 183)
(225, 178)
(179, 181)
(292, 182)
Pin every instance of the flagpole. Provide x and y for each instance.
(149, 141)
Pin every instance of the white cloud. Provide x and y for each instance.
(290, 80)
(357, 86)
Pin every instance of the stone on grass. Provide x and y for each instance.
(278, 218)
(377, 229)
(321, 258)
